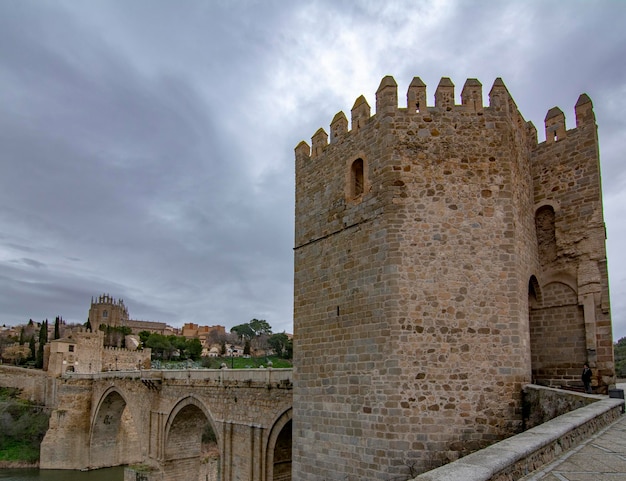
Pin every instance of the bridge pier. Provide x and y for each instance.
(66, 443)
(244, 452)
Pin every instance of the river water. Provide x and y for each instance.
(106, 474)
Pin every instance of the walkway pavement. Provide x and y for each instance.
(601, 458)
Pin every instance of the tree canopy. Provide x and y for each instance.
(244, 331)
(252, 329)
(168, 347)
(281, 344)
(619, 351)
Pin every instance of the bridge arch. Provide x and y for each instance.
(113, 434)
(278, 452)
(185, 430)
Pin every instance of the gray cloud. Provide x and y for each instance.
(146, 147)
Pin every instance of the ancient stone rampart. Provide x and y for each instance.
(33, 383)
(115, 358)
(423, 285)
(570, 313)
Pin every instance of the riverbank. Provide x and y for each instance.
(104, 474)
(22, 427)
(19, 465)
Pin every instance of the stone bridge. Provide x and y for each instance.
(156, 419)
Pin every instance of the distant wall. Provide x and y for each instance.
(35, 385)
(114, 358)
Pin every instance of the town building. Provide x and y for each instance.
(207, 334)
(112, 312)
(83, 351)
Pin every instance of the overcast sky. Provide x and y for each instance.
(146, 147)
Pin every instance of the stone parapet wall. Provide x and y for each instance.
(542, 404)
(114, 358)
(517, 456)
(33, 383)
(248, 377)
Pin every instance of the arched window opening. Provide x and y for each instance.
(532, 293)
(546, 234)
(357, 178)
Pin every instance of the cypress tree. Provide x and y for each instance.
(43, 338)
(33, 350)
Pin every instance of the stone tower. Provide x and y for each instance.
(107, 310)
(443, 259)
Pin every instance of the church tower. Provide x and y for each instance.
(107, 310)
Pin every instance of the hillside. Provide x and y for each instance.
(22, 427)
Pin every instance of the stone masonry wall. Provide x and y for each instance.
(114, 358)
(65, 445)
(107, 310)
(241, 419)
(416, 258)
(80, 351)
(566, 175)
(33, 383)
(558, 337)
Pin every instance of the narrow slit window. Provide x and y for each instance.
(357, 178)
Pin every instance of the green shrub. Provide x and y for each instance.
(22, 427)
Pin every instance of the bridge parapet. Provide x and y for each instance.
(517, 456)
(266, 377)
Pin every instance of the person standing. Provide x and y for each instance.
(586, 378)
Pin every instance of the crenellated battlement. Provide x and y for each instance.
(107, 299)
(501, 105)
(118, 349)
(105, 309)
